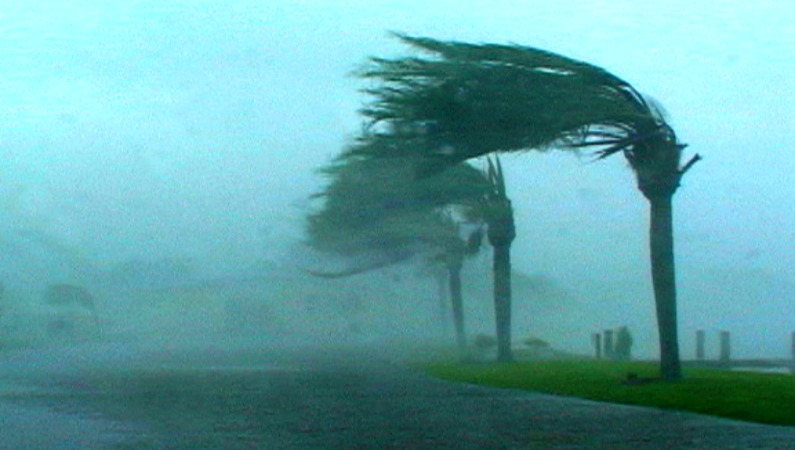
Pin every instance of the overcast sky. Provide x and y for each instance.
(146, 128)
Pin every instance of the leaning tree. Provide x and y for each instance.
(376, 214)
(462, 100)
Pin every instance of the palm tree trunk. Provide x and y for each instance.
(502, 301)
(661, 242)
(442, 295)
(454, 272)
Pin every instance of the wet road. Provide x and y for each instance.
(313, 399)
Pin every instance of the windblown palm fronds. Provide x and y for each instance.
(378, 206)
(466, 100)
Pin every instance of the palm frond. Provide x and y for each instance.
(357, 270)
(461, 100)
(378, 205)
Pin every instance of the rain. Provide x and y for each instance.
(160, 163)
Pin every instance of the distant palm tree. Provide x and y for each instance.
(468, 100)
(451, 249)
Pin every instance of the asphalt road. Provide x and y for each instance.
(106, 397)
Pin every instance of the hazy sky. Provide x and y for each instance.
(141, 128)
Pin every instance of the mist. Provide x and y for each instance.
(163, 155)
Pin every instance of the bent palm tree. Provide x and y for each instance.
(468, 100)
(377, 211)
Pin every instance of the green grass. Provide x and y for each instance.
(755, 397)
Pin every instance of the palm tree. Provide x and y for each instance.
(498, 214)
(450, 250)
(467, 100)
(378, 214)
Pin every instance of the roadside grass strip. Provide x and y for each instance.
(749, 396)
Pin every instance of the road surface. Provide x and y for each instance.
(122, 397)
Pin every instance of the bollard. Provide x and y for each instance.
(725, 347)
(793, 345)
(700, 338)
(792, 364)
(608, 344)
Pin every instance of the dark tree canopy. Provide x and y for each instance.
(465, 100)
(377, 209)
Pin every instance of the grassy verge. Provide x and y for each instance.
(755, 397)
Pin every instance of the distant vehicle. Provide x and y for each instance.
(70, 312)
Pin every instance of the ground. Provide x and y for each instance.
(123, 396)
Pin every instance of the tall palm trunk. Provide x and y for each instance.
(454, 273)
(658, 179)
(502, 301)
(661, 244)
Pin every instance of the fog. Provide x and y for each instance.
(182, 139)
